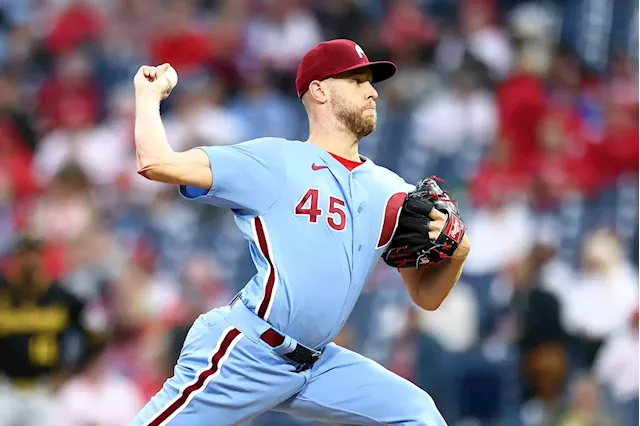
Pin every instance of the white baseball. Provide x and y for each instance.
(172, 76)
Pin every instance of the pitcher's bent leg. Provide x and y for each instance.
(347, 388)
(221, 375)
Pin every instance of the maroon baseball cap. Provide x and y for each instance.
(334, 57)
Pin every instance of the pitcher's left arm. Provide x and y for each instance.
(430, 245)
(429, 287)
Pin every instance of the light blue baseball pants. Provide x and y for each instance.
(227, 375)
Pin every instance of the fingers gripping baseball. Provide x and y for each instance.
(156, 81)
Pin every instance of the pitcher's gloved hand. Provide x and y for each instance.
(429, 228)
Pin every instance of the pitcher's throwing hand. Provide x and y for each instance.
(156, 82)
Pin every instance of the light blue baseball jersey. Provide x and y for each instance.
(315, 229)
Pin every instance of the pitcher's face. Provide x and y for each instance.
(353, 101)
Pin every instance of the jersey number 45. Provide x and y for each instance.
(309, 206)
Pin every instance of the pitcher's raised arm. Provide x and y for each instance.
(155, 158)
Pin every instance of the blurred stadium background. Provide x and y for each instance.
(528, 109)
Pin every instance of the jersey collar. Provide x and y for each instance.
(335, 164)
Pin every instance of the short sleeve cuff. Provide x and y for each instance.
(196, 193)
(193, 192)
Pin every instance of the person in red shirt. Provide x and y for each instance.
(521, 105)
(179, 43)
(499, 177)
(616, 153)
(79, 23)
(72, 98)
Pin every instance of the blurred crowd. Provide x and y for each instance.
(527, 109)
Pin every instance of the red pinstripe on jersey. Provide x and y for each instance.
(270, 280)
(229, 338)
(390, 218)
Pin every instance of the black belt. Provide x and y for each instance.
(301, 355)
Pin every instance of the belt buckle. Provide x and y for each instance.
(303, 367)
(307, 365)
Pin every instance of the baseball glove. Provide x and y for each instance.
(411, 245)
